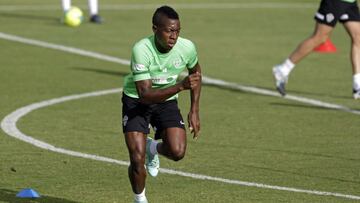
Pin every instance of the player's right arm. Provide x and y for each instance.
(149, 95)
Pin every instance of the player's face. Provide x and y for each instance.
(166, 34)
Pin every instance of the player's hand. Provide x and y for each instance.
(194, 124)
(191, 81)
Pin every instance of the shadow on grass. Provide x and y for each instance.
(309, 106)
(321, 94)
(9, 196)
(30, 17)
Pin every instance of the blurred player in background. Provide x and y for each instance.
(150, 98)
(93, 10)
(329, 13)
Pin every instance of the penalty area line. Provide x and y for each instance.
(8, 125)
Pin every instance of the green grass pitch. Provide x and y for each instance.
(244, 136)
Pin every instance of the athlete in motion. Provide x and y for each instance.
(150, 98)
(93, 9)
(329, 13)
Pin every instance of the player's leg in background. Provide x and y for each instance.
(353, 28)
(94, 11)
(321, 34)
(66, 4)
(282, 71)
(136, 144)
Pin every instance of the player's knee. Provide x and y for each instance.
(135, 168)
(137, 161)
(178, 154)
(355, 39)
(320, 38)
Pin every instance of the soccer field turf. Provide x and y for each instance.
(254, 146)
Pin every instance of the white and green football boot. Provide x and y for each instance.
(152, 162)
(144, 201)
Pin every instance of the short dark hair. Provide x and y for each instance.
(164, 10)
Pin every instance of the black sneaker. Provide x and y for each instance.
(96, 19)
(356, 94)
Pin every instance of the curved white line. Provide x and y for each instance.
(8, 125)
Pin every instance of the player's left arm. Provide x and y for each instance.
(193, 116)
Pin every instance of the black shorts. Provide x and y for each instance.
(140, 117)
(332, 11)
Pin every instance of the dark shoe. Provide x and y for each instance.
(356, 94)
(96, 19)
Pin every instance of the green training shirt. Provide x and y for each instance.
(163, 69)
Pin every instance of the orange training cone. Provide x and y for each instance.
(326, 47)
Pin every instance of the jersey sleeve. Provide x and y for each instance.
(140, 63)
(192, 55)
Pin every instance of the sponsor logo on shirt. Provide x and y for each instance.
(177, 63)
(164, 80)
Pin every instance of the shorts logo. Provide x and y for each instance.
(329, 17)
(344, 17)
(182, 123)
(125, 120)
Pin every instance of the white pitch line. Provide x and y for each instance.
(8, 125)
(63, 48)
(262, 5)
(206, 80)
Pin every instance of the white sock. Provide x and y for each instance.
(153, 145)
(356, 82)
(141, 196)
(287, 67)
(66, 4)
(93, 7)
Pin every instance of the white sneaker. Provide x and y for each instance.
(143, 201)
(280, 80)
(152, 161)
(356, 94)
